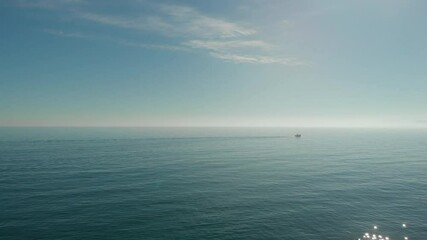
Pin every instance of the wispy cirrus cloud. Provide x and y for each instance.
(151, 23)
(201, 25)
(183, 27)
(174, 20)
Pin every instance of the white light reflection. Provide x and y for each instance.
(375, 235)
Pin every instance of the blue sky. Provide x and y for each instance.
(213, 63)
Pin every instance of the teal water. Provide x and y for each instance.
(165, 183)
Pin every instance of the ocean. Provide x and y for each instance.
(212, 183)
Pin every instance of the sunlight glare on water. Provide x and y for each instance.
(376, 236)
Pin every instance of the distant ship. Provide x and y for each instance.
(298, 135)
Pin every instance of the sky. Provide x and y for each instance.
(270, 63)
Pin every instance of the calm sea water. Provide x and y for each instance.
(100, 183)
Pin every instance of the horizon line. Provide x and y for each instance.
(195, 126)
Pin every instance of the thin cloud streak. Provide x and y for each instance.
(225, 45)
(49, 4)
(236, 58)
(61, 33)
(118, 41)
(153, 46)
(231, 51)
